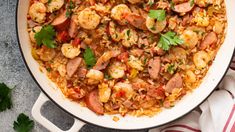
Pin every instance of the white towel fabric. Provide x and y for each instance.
(217, 112)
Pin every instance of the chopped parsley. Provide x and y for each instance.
(172, 5)
(5, 97)
(128, 34)
(150, 2)
(89, 57)
(23, 124)
(169, 39)
(107, 76)
(171, 68)
(69, 9)
(46, 36)
(191, 3)
(160, 15)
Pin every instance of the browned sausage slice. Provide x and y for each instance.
(73, 28)
(154, 66)
(93, 103)
(61, 22)
(175, 82)
(103, 61)
(136, 20)
(183, 7)
(73, 65)
(211, 38)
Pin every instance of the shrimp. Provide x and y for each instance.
(88, 19)
(114, 32)
(117, 70)
(94, 76)
(130, 37)
(46, 54)
(124, 86)
(203, 3)
(118, 12)
(37, 12)
(43, 1)
(54, 5)
(33, 32)
(155, 26)
(190, 77)
(62, 70)
(201, 59)
(190, 39)
(70, 51)
(104, 92)
(135, 63)
(201, 18)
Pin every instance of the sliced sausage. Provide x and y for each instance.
(82, 72)
(103, 61)
(136, 20)
(154, 66)
(175, 82)
(183, 7)
(61, 22)
(158, 93)
(211, 38)
(178, 1)
(93, 103)
(73, 28)
(73, 65)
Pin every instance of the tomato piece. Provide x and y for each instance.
(121, 93)
(63, 36)
(123, 57)
(76, 42)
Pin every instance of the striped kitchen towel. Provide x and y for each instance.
(216, 114)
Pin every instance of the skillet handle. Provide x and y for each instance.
(36, 113)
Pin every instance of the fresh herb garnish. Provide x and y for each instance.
(191, 3)
(89, 57)
(46, 36)
(171, 68)
(5, 97)
(153, 28)
(160, 15)
(49, 1)
(172, 5)
(169, 39)
(107, 76)
(69, 9)
(23, 124)
(150, 2)
(128, 33)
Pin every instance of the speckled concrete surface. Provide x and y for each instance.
(14, 73)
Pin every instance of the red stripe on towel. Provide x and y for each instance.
(183, 126)
(229, 119)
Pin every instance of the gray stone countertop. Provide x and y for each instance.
(14, 73)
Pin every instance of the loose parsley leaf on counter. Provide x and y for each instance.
(23, 123)
(89, 57)
(46, 36)
(160, 15)
(169, 39)
(5, 97)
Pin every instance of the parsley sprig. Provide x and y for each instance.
(46, 36)
(23, 124)
(160, 15)
(169, 39)
(5, 97)
(89, 57)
